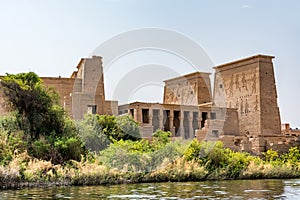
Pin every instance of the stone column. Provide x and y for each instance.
(171, 118)
(199, 120)
(161, 118)
(150, 116)
(135, 116)
(151, 119)
(181, 128)
(191, 133)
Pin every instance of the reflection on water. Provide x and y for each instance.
(235, 189)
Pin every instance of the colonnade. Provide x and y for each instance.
(180, 122)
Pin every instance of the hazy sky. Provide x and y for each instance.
(50, 37)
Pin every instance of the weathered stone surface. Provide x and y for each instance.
(190, 89)
(249, 86)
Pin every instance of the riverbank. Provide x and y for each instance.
(136, 167)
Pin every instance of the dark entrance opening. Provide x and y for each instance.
(176, 122)
(195, 121)
(186, 125)
(145, 114)
(204, 117)
(155, 119)
(132, 113)
(166, 120)
(213, 115)
(92, 109)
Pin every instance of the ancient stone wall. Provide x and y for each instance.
(249, 86)
(191, 89)
(64, 87)
(88, 95)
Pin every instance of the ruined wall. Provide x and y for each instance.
(249, 86)
(88, 95)
(191, 89)
(64, 87)
(85, 91)
(270, 123)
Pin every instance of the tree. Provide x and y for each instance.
(38, 112)
(51, 135)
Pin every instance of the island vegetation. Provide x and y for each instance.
(40, 145)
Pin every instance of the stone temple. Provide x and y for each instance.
(240, 110)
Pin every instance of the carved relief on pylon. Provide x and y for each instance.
(256, 104)
(237, 103)
(254, 80)
(230, 87)
(183, 93)
(244, 81)
(242, 106)
(192, 94)
(246, 107)
(237, 83)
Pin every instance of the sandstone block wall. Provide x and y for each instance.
(64, 87)
(191, 89)
(249, 86)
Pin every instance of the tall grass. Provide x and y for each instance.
(141, 161)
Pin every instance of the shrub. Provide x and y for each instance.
(90, 131)
(161, 138)
(171, 151)
(237, 162)
(270, 155)
(70, 148)
(198, 150)
(128, 129)
(292, 157)
(123, 155)
(9, 122)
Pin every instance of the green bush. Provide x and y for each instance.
(11, 144)
(41, 149)
(171, 151)
(270, 155)
(128, 129)
(292, 157)
(236, 163)
(70, 148)
(9, 122)
(123, 155)
(161, 138)
(90, 131)
(197, 150)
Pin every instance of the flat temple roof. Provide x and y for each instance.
(243, 60)
(189, 75)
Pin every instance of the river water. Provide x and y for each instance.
(229, 189)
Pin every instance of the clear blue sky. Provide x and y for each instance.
(50, 37)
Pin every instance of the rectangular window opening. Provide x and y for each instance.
(145, 113)
(92, 109)
(213, 115)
